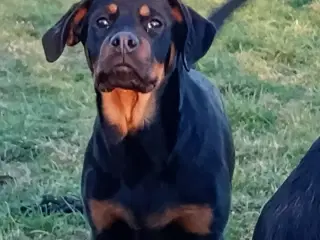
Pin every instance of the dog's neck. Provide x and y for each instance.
(130, 111)
(127, 111)
(160, 132)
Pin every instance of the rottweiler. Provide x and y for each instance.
(292, 213)
(160, 161)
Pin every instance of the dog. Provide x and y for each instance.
(292, 213)
(160, 161)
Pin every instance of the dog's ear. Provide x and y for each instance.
(192, 33)
(65, 31)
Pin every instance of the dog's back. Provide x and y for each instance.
(293, 211)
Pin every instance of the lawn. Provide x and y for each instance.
(266, 61)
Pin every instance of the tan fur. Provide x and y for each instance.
(172, 54)
(105, 213)
(112, 8)
(76, 19)
(193, 218)
(177, 15)
(158, 71)
(127, 109)
(144, 10)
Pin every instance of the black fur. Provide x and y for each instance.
(292, 213)
(186, 154)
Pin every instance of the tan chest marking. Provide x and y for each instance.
(127, 109)
(105, 213)
(195, 219)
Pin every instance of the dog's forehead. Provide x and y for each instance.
(161, 6)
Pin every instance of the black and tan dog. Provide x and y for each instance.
(160, 160)
(292, 213)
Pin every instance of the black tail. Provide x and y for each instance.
(51, 204)
(218, 16)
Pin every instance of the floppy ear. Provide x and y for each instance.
(65, 31)
(192, 33)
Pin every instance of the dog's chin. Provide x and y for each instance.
(132, 87)
(123, 77)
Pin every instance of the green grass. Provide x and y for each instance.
(265, 61)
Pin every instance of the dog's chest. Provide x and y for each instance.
(150, 195)
(146, 176)
(148, 182)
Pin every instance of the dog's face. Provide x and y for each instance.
(129, 44)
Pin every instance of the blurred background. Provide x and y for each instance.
(266, 62)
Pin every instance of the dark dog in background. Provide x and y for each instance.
(160, 161)
(293, 211)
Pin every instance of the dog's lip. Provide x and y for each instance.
(123, 68)
(144, 88)
(117, 70)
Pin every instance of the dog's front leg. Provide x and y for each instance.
(186, 221)
(107, 217)
(110, 220)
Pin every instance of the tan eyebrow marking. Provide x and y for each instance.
(176, 13)
(144, 10)
(112, 8)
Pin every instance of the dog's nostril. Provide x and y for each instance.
(115, 42)
(124, 42)
(132, 43)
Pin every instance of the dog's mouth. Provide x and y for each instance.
(123, 76)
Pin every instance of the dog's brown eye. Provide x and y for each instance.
(102, 22)
(154, 23)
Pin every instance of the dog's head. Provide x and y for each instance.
(131, 44)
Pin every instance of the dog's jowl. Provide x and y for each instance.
(160, 160)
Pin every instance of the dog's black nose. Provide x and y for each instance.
(124, 42)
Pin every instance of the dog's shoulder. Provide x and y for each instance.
(204, 126)
(201, 105)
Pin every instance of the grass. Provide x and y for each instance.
(265, 61)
